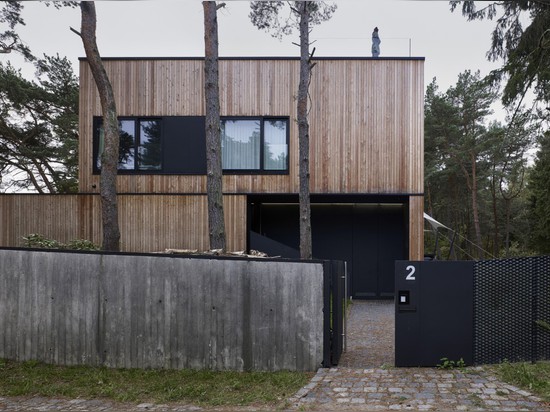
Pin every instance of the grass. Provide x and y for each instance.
(534, 377)
(201, 388)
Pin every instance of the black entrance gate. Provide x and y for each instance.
(481, 312)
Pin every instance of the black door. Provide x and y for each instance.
(379, 234)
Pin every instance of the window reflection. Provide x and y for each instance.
(147, 145)
(275, 146)
(149, 148)
(126, 152)
(240, 144)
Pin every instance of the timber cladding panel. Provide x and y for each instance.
(148, 222)
(416, 228)
(161, 312)
(366, 119)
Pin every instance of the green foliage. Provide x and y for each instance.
(539, 196)
(35, 240)
(450, 364)
(38, 241)
(39, 127)
(10, 18)
(204, 388)
(521, 39)
(534, 377)
(465, 156)
(81, 244)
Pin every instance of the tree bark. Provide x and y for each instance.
(109, 157)
(475, 209)
(496, 234)
(303, 133)
(214, 183)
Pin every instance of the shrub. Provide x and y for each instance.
(35, 240)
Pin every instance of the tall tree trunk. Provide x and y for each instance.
(507, 241)
(475, 209)
(109, 157)
(216, 221)
(496, 234)
(303, 133)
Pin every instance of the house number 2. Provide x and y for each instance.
(411, 269)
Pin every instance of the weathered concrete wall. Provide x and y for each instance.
(160, 312)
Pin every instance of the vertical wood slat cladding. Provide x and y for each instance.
(149, 223)
(416, 228)
(366, 119)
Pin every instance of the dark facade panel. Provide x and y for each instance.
(184, 145)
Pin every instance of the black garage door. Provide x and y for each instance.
(370, 237)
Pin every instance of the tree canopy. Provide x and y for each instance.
(39, 127)
(474, 167)
(279, 20)
(523, 47)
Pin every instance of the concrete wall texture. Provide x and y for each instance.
(142, 311)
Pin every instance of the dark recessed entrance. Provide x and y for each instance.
(369, 237)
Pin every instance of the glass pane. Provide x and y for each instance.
(240, 144)
(149, 145)
(101, 145)
(275, 147)
(126, 151)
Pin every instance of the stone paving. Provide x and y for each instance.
(366, 379)
(412, 389)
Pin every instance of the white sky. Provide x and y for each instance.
(447, 40)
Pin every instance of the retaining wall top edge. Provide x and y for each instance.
(166, 255)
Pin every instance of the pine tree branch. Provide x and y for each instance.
(76, 32)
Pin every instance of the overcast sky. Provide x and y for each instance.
(447, 40)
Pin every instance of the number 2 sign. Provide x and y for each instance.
(411, 270)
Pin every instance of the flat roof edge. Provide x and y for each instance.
(256, 58)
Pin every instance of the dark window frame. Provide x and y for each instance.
(261, 170)
(98, 120)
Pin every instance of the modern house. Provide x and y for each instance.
(366, 156)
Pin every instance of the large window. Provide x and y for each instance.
(254, 144)
(140, 144)
(177, 145)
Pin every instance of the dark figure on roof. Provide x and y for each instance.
(375, 43)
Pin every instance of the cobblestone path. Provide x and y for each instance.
(366, 379)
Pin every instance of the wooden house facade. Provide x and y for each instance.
(366, 157)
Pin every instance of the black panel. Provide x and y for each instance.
(184, 142)
(281, 223)
(272, 247)
(378, 241)
(331, 227)
(391, 246)
(364, 283)
(370, 238)
(446, 311)
(408, 339)
(437, 322)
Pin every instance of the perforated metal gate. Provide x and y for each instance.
(510, 296)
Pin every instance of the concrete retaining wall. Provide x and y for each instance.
(160, 312)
